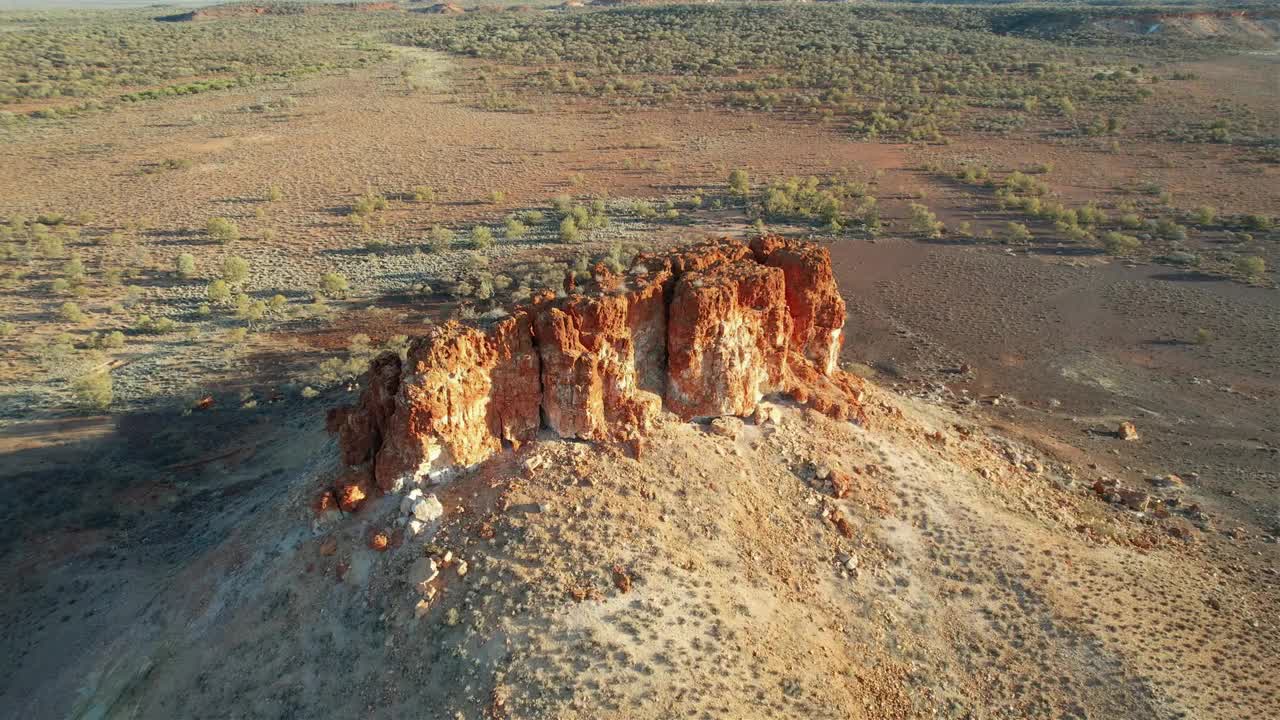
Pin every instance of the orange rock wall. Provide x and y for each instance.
(704, 331)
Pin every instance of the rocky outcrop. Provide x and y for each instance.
(701, 332)
(727, 340)
(813, 300)
(463, 393)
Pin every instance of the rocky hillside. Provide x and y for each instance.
(919, 565)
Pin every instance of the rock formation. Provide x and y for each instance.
(705, 331)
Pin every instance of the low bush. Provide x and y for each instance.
(222, 230)
(1119, 244)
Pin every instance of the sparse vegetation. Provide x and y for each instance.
(1251, 266)
(334, 285)
(186, 265)
(71, 313)
(222, 230)
(1116, 243)
(93, 390)
(924, 222)
(235, 270)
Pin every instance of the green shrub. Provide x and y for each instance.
(1091, 214)
(333, 284)
(1251, 266)
(275, 194)
(7, 329)
(481, 237)
(71, 312)
(222, 230)
(513, 229)
(644, 209)
(569, 230)
(147, 325)
(1170, 230)
(93, 391)
(367, 204)
(235, 270)
(1119, 244)
(1204, 215)
(439, 239)
(1131, 221)
(249, 309)
(424, 194)
(739, 182)
(74, 270)
(1017, 233)
(1023, 184)
(218, 291)
(186, 265)
(535, 217)
(113, 340)
(923, 221)
(1256, 222)
(50, 245)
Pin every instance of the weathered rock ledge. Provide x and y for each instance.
(704, 331)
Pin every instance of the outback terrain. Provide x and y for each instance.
(635, 360)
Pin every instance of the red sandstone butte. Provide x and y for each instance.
(703, 331)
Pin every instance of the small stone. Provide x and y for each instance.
(851, 564)
(379, 541)
(428, 509)
(1168, 481)
(423, 571)
(1133, 499)
(1033, 467)
(766, 415)
(621, 578)
(350, 497)
(1127, 431)
(415, 526)
(726, 427)
(841, 484)
(462, 568)
(407, 502)
(421, 609)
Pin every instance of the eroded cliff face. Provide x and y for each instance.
(699, 332)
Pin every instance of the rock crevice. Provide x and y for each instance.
(701, 332)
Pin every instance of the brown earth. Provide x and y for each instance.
(994, 574)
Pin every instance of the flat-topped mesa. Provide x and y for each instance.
(701, 332)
